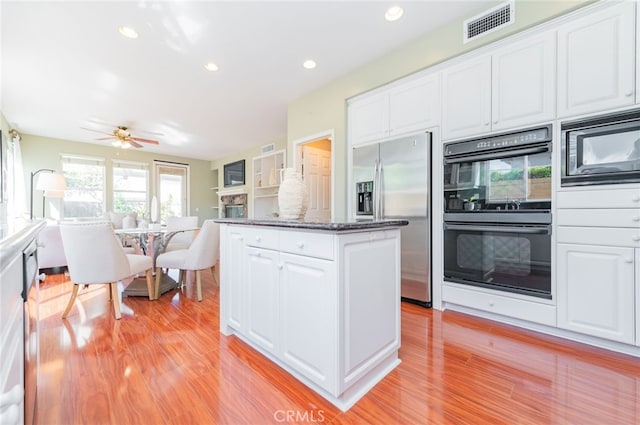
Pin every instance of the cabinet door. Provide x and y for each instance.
(369, 119)
(262, 297)
(234, 277)
(596, 291)
(415, 105)
(523, 82)
(309, 318)
(466, 99)
(596, 61)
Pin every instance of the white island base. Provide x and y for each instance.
(322, 301)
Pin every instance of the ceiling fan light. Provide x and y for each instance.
(210, 66)
(393, 13)
(125, 145)
(116, 143)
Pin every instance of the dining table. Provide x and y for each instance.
(152, 241)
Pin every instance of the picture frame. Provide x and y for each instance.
(234, 173)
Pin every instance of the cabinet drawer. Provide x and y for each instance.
(261, 237)
(510, 307)
(622, 237)
(310, 244)
(615, 198)
(622, 217)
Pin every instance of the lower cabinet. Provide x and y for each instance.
(324, 305)
(596, 291)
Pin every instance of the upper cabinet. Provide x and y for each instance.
(411, 106)
(512, 87)
(466, 99)
(523, 82)
(596, 61)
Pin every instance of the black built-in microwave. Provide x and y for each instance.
(601, 150)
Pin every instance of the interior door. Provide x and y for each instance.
(316, 171)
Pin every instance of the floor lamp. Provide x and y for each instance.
(52, 184)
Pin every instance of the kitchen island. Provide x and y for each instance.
(321, 300)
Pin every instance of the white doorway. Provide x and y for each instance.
(314, 158)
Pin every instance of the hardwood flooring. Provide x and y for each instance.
(165, 362)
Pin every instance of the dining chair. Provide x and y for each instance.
(95, 256)
(202, 254)
(181, 240)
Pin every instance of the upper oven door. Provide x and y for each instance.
(603, 150)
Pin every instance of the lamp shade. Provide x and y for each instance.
(54, 193)
(51, 182)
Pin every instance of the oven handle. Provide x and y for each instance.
(499, 154)
(545, 230)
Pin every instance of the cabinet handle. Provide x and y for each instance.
(491, 304)
(495, 122)
(258, 238)
(628, 260)
(636, 218)
(486, 124)
(636, 198)
(635, 238)
(300, 245)
(280, 266)
(629, 93)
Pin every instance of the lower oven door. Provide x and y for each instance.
(512, 258)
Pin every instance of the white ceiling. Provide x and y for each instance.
(65, 66)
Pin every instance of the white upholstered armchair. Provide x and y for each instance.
(202, 254)
(95, 256)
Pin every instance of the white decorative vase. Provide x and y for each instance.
(292, 196)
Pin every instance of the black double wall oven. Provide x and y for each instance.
(497, 221)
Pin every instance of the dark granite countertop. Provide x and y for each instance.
(335, 226)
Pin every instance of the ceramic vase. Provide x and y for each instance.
(292, 196)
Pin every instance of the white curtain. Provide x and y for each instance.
(15, 185)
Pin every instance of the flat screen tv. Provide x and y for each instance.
(234, 173)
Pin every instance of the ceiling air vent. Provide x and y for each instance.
(489, 21)
(268, 148)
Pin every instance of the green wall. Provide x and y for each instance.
(43, 152)
(325, 108)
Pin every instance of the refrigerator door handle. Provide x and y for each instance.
(375, 190)
(380, 191)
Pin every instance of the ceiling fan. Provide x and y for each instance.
(121, 138)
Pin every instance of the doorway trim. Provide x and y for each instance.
(297, 145)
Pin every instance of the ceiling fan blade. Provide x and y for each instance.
(105, 138)
(97, 131)
(138, 139)
(134, 144)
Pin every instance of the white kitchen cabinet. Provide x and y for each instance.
(309, 317)
(523, 82)
(12, 342)
(324, 305)
(414, 105)
(596, 65)
(401, 109)
(368, 118)
(597, 292)
(511, 87)
(466, 98)
(262, 299)
(234, 256)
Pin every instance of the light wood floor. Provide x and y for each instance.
(165, 362)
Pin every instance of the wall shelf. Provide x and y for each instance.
(267, 173)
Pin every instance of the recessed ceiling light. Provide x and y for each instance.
(393, 13)
(127, 31)
(211, 66)
(309, 64)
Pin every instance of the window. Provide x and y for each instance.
(130, 187)
(172, 189)
(85, 192)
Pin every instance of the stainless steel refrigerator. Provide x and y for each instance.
(392, 180)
